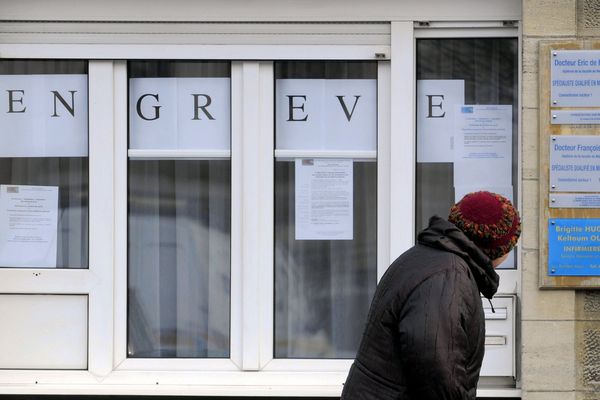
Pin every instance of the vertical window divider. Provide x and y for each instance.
(384, 157)
(237, 169)
(402, 141)
(120, 154)
(101, 216)
(255, 227)
(267, 211)
(250, 239)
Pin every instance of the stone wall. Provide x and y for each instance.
(548, 369)
(560, 328)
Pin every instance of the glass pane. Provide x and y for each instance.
(179, 234)
(44, 164)
(325, 264)
(452, 73)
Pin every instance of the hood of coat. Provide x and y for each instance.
(444, 235)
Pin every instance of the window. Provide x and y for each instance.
(325, 206)
(44, 164)
(179, 199)
(467, 113)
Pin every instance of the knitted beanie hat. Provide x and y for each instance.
(489, 220)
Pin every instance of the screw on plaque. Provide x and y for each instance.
(553, 222)
(553, 270)
(553, 116)
(553, 138)
(554, 102)
(553, 200)
(553, 186)
(555, 54)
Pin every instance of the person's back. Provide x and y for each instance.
(425, 333)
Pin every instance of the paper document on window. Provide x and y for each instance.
(28, 226)
(483, 145)
(44, 116)
(330, 114)
(436, 101)
(324, 199)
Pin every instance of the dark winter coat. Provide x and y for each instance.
(424, 338)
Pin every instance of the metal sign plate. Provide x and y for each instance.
(574, 247)
(575, 164)
(575, 78)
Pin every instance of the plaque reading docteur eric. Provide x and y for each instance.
(574, 247)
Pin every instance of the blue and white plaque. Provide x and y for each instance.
(575, 78)
(574, 247)
(575, 163)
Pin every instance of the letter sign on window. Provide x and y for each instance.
(44, 116)
(179, 113)
(326, 114)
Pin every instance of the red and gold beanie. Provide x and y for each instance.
(489, 220)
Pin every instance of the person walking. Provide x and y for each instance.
(425, 332)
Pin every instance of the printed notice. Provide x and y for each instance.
(28, 226)
(483, 145)
(436, 101)
(324, 199)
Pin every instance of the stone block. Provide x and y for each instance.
(588, 356)
(549, 396)
(588, 305)
(539, 304)
(554, 18)
(530, 90)
(531, 53)
(530, 143)
(548, 355)
(530, 215)
(588, 18)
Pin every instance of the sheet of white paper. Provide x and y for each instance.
(45, 116)
(436, 101)
(326, 114)
(461, 191)
(28, 226)
(506, 191)
(180, 113)
(324, 199)
(483, 145)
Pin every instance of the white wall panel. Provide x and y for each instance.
(260, 10)
(43, 331)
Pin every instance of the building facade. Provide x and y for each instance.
(197, 198)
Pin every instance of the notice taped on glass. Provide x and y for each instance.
(324, 199)
(28, 226)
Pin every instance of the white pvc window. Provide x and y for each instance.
(179, 201)
(467, 122)
(44, 164)
(325, 206)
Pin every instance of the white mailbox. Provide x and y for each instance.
(500, 329)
